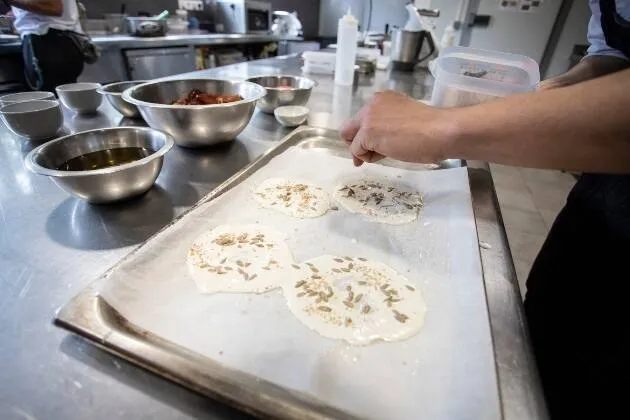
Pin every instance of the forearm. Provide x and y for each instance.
(42, 7)
(587, 69)
(583, 127)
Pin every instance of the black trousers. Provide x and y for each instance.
(577, 303)
(51, 60)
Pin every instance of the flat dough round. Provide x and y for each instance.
(294, 198)
(248, 258)
(381, 201)
(355, 300)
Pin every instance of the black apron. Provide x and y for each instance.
(51, 59)
(579, 285)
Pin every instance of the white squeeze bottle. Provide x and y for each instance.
(347, 34)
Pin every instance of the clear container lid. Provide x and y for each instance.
(483, 71)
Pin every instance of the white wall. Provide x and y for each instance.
(573, 32)
(392, 12)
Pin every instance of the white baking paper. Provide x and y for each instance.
(446, 371)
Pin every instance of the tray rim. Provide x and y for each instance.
(90, 317)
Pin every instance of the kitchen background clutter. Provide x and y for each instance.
(194, 39)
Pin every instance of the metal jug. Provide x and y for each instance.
(406, 47)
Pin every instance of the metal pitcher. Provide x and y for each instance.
(406, 48)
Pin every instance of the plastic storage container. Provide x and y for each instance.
(468, 76)
(319, 62)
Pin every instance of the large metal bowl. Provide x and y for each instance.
(283, 91)
(104, 185)
(113, 93)
(195, 125)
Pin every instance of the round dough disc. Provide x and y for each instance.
(355, 300)
(248, 258)
(380, 201)
(294, 198)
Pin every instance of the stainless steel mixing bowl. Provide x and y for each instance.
(283, 90)
(113, 94)
(104, 185)
(195, 125)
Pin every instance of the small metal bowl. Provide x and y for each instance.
(195, 125)
(14, 98)
(113, 94)
(34, 120)
(104, 185)
(283, 90)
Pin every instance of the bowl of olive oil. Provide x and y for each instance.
(104, 165)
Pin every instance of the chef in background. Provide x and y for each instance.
(579, 285)
(51, 53)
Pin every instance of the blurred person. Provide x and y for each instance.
(53, 42)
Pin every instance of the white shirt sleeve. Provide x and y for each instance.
(596, 37)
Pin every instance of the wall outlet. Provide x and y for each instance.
(194, 5)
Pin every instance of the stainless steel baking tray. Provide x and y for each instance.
(89, 316)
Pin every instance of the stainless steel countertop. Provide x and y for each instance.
(11, 43)
(52, 245)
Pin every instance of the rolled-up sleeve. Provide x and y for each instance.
(596, 37)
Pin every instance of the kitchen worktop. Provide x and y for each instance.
(53, 245)
(11, 43)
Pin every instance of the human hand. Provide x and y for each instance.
(394, 125)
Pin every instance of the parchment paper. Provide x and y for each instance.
(446, 371)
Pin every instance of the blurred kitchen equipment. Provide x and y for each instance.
(179, 23)
(243, 16)
(115, 23)
(195, 125)
(406, 48)
(113, 94)
(107, 184)
(146, 26)
(286, 24)
(227, 57)
(468, 76)
(6, 25)
(283, 90)
(34, 120)
(82, 98)
(151, 63)
(367, 65)
(14, 98)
